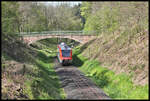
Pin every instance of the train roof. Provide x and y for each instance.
(64, 46)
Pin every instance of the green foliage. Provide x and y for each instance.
(9, 17)
(110, 21)
(104, 20)
(93, 23)
(107, 17)
(85, 9)
(33, 17)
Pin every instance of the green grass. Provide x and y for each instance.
(115, 86)
(44, 82)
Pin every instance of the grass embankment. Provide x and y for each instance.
(115, 86)
(26, 79)
(45, 83)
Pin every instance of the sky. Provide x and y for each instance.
(58, 2)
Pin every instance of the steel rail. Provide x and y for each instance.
(78, 80)
(91, 88)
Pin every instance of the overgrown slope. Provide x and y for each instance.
(116, 86)
(27, 72)
(118, 64)
(122, 52)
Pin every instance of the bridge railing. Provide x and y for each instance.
(58, 33)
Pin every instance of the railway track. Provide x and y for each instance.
(80, 82)
(76, 85)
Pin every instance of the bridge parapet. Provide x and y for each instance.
(59, 33)
(79, 36)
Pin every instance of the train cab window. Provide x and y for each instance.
(66, 53)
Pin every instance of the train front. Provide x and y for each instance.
(64, 54)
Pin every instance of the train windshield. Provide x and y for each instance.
(66, 53)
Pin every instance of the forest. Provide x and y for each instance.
(98, 16)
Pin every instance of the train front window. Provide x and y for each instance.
(66, 53)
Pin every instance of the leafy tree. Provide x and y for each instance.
(10, 15)
(110, 16)
(86, 9)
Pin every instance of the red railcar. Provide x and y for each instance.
(64, 54)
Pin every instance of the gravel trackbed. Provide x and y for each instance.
(76, 85)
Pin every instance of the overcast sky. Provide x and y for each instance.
(58, 2)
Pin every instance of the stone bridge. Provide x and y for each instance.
(79, 38)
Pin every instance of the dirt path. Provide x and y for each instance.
(76, 85)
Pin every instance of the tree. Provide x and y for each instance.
(10, 15)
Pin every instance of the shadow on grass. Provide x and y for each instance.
(86, 45)
(45, 84)
(48, 84)
(101, 80)
(45, 58)
(14, 49)
(77, 62)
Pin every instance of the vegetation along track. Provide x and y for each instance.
(76, 85)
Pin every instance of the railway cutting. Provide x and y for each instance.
(76, 85)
